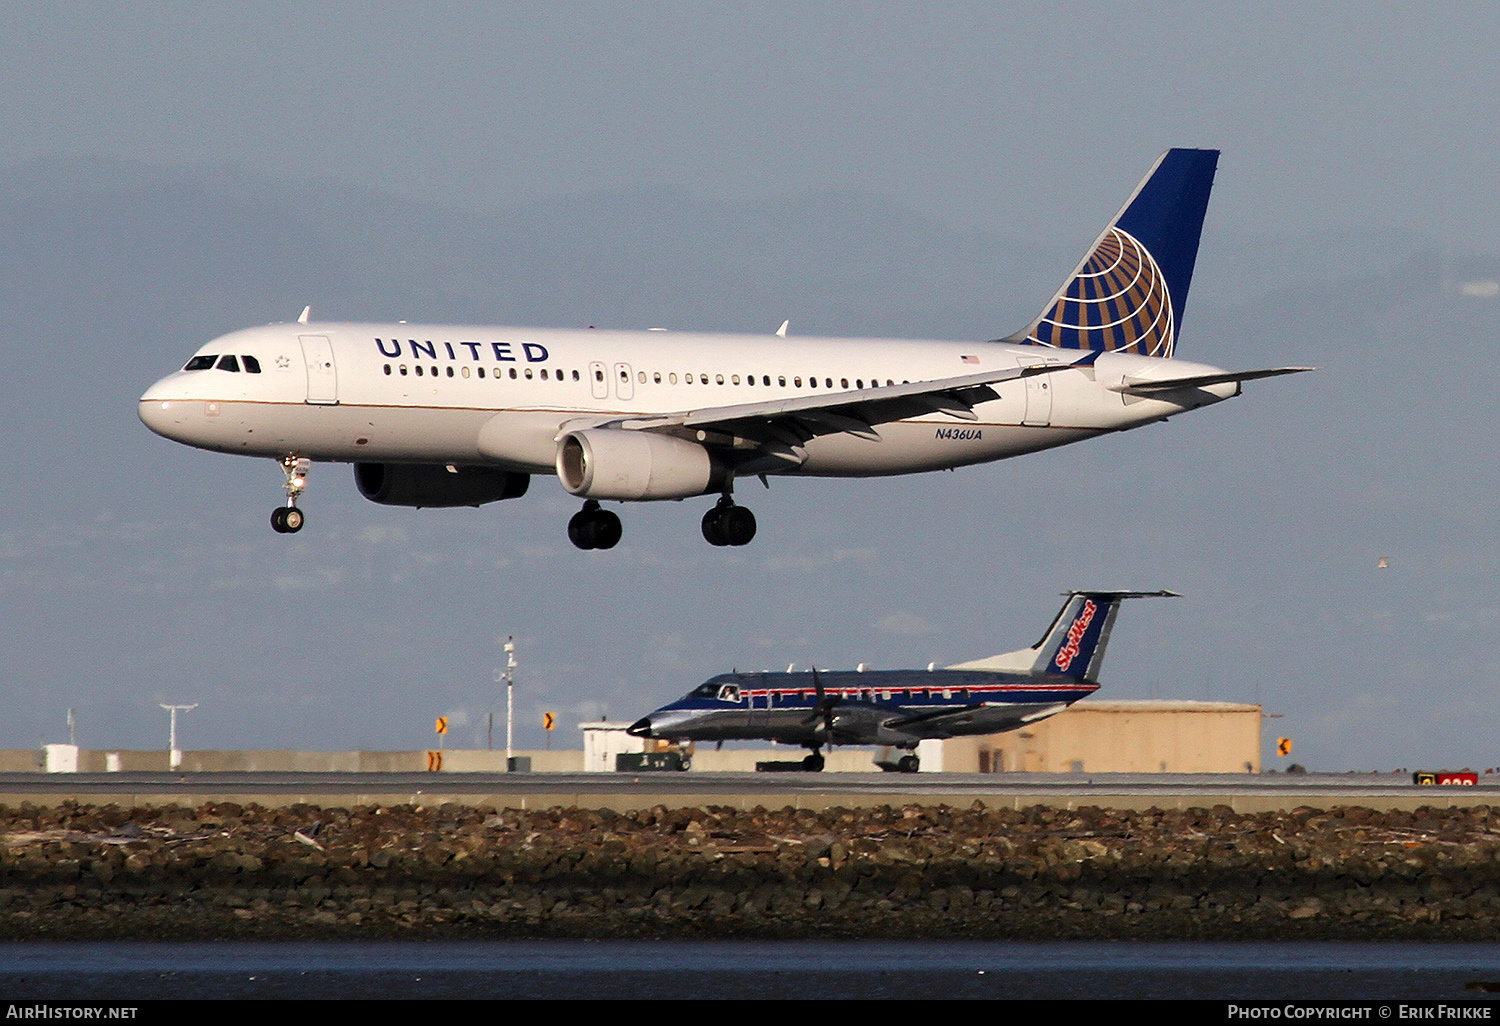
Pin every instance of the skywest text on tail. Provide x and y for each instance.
(444, 415)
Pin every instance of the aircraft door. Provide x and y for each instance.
(760, 709)
(322, 375)
(624, 386)
(597, 381)
(1038, 394)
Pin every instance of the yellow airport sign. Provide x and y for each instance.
(1283, 746)
(442, 724)
(548, 720)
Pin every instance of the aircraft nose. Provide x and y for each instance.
(164, 416)
(640, 728)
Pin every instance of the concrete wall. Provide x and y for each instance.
(454, 761)
(1121, 737)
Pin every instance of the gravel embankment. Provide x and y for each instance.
(223, 870)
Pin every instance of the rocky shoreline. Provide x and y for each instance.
(221, 870)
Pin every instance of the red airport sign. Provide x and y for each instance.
(1429, 778)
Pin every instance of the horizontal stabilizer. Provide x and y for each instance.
(1151, 386)
(1074, 644)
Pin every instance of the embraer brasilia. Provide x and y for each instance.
(435, 415)
(900, 708)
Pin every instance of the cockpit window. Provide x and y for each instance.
(708, 690)
(201, 362)
(729, 693)
(229, 363)
(252, 365)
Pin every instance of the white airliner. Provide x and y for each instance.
(446, 415)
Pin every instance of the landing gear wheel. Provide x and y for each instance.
(738, 525)
(581, 530)
(908, 764)
(607, 530)
(594, 528)
(813, 763)
(713, 530)
(728, 524)
(286, 520)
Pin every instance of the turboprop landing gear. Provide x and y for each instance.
(288, 519)
(594, 528)
(728, 524)
(814, 762)
(908, 764)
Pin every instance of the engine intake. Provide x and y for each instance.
(432, 486)
(609, 463)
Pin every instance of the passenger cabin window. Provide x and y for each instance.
(229, 363)
(201, 362)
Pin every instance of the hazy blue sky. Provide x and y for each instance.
(990, 115)
(172, 171)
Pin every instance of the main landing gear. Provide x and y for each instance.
(594, 528)
(288, 519)
(728, 524)
(814, 761)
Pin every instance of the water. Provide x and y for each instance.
(737, 969)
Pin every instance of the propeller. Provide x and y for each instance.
(824, 709)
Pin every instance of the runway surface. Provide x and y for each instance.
(622, 791)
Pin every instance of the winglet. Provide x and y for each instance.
(302, 318)
(781, 331)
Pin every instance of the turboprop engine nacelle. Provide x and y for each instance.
(434, 486)
(609, 463)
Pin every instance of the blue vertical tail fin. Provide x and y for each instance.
(1128, 294)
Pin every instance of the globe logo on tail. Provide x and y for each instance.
(1117, 302)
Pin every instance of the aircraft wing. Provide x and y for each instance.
(780, 427)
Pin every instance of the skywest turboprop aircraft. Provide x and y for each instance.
(902, 707)
(460, 416)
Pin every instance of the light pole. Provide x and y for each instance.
(510, 695)
(174, 757)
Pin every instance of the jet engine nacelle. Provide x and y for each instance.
(426, 485)
(609, 463)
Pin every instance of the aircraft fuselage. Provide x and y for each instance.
(500, 397)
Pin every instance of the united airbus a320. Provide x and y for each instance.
(441, 415)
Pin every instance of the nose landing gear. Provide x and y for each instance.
(594, 528)
(728, 524)
(288, 519)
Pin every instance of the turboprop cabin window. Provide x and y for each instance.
(201, 362)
